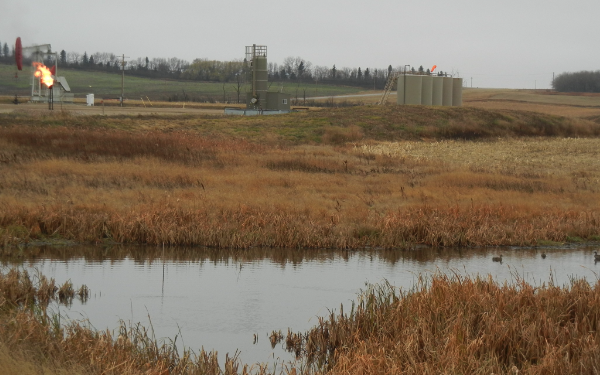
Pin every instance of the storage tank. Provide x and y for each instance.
(400, 89)
(412, 89)
(437, 90)
(457, 85)
(426, 90)
(261, 79)
(447, 91)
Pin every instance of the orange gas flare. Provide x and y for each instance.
(43, 73)
(432, 69)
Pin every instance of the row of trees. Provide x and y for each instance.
(584, 81)
(294, 69)
(158, 67)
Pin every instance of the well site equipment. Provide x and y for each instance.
(423, 89)
(437, 91)
(429, 90)
(259, 98)
(40, 93)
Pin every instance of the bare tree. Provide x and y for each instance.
(73, 57)
(297, 66)
(320, 72)
(239, 85)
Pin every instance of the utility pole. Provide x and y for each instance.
(404, 88)
(122, 78)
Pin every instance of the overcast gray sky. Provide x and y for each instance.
(503, 43)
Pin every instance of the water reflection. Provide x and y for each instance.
(221, 299)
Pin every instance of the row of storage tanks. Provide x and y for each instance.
(429, 90)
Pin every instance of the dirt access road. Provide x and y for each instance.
(82, 109)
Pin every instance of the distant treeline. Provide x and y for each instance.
(584, 81)
(293, 69)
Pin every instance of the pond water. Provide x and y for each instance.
(220, 299)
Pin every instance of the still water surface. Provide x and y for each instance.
(220, 299)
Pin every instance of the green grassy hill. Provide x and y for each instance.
(108, 85)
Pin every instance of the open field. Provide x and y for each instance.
(112, 108)
(343, 178)
(543, 101)
(108, 86)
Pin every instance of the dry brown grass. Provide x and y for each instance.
(176, 187)
(44, 345)
(460, 325)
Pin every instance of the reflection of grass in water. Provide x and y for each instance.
(20, 289)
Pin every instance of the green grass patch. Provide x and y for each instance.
(574, 239)
(548, 243)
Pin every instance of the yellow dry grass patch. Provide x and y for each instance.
(19, 363)
(542, 101)
(533, 157)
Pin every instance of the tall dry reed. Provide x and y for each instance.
(461, 325)
(244, 227)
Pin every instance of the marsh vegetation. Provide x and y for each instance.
(346, 178)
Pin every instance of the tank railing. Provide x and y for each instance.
(417, 73)
(255, 51)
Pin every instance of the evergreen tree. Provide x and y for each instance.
(6, 51)
(301, 68)
(91, 62)
(63, 57)
(1, 49)
(333, 71)
(367, 73)
(421, 70)
(85, 59)
(359, 74)
(389, 70)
